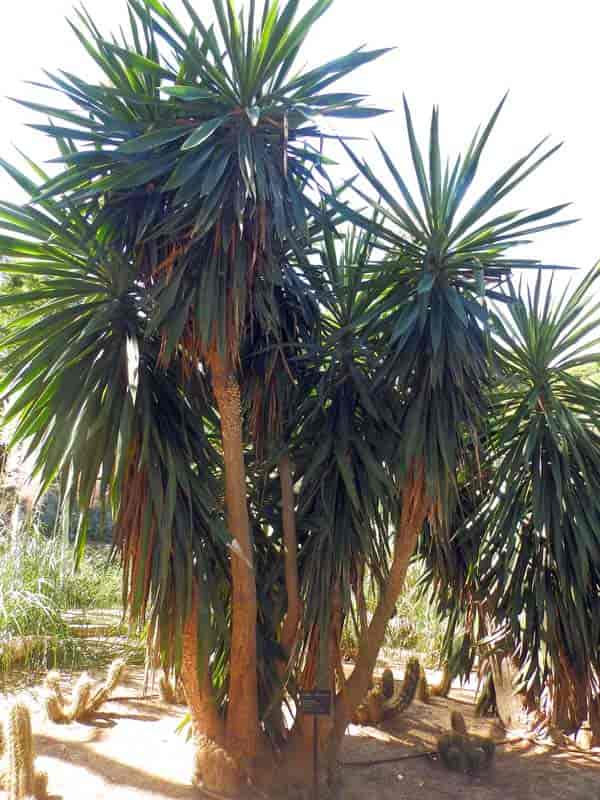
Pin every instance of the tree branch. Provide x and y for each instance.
(415, 507)
(290, 546)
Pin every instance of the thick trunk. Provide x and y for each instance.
(242, 716)
(571, 697)
(290, 545)
(295, 771)
(415, 507)
(509, 704)
(197, 686)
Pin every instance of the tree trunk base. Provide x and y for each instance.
(510, 705)
(217, 770)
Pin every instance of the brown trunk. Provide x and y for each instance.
(415, 507)
(361, 602)
(570, 697)
(290, 545)
(509, 704)
(295, 770)
(196, 682)
(242, 715)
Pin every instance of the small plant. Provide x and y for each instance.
(377, 706)
(387, 683)
(423, 690)
(18, 777)
(87, 697)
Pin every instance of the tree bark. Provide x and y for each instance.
(415, 507)
(197, 685)
(242, 728)
(509, 704)
(290, 546)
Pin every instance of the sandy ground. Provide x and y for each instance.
(132, 751)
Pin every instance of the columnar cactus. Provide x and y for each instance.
(423, 691)
(378, 707)
(86, 698)
(17, 774)
(20, 753)
(80, 699)
(52, 682)
(114, 676)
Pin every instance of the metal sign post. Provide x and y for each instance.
(316, 704)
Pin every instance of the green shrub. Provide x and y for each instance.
(38, 583)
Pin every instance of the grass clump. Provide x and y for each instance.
(38, 585)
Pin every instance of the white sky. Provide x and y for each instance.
(462, 55)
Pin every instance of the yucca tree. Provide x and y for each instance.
(195, 165)
(521, 577)
(261, 406)
(539, 560)
(348, 499)
(442, 261)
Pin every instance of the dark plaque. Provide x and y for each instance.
(316, 704)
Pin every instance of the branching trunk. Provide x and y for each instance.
(415, 507)
(242, 717)
(290, 544)
(361, 602)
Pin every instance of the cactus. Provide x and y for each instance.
(18, 777)
(387, 683)
(78, 707)
(40, 785)
(114, 676)
(20, 753)
(86, 698)
(406, 694)
(378, 707)
(423, 692)
(461, 751)
(52, 682)
(55, 710)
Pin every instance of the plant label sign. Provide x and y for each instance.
(316, 704)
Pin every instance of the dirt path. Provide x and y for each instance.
(132, 751)
(522, 771)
